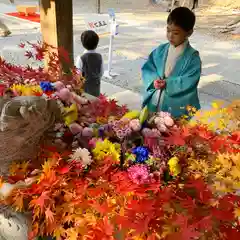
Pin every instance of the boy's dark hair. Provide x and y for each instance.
(182, 17)
(89, 40)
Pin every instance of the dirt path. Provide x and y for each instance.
(215, 20)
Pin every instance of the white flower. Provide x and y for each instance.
(81, 155)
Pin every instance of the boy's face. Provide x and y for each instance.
(176, 35)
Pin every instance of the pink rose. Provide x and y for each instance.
(161, 127)
(168, 121)
(164, 114)
(58, 85)
(159, 120)
(147, 132)
(135, 125)
(64, 94)
(156, 132)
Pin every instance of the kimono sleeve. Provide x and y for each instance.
(190, 78)
(149, 71)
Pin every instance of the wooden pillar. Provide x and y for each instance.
(57, 24)
(98, 6)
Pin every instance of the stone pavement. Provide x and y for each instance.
(139, 34)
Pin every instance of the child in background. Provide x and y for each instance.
(90, 64)
(172, 71)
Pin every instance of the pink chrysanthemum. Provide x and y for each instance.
(121, 128)
(139, 174)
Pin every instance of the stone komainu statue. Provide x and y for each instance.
(23, 122)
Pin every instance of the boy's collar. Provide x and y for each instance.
(184, 44)
(89, 51)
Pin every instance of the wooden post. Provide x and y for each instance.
(57, 24)
(98, 6)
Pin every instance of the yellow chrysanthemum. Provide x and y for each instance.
(26, 90)
(106, 148)
(174, 166)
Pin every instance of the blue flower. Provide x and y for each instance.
(141, 153)
(46, 86)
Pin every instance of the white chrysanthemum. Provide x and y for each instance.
(81, 155)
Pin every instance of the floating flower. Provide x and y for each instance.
(164, 114)
(162, 127)
(81, 155)
(106, 148)
(159, 120)
(141, 153)
(139, 174)
(168, 121)
(87, 132)
(156, 132)
(71, 114)
(174, 166)
(135, 125)
(58, 85)
(46, 86)
(26, 90)
(92, 142)
(147, 132)
(121, 128)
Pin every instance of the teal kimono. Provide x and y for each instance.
(181, 85)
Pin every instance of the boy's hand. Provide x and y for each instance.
(160, 84)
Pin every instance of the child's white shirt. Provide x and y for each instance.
(79, 64)
(173, 54)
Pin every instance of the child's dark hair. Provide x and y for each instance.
(89, 40)
(182, 17)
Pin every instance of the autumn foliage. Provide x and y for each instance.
(101, 202)
(178, 184)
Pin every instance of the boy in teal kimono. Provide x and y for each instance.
(172, 71)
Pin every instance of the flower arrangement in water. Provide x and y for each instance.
(118, 174)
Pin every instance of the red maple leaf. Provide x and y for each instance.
(49, 215)
(40, 201)
(204, 132)
(205, 223)
(217, 143)
(187, 202)
(235, 137)
(189, 233)
(102, 230)
(21, 45)
(186, 233)
(223, 215)
(29, 54)
(141, 206)
(103, 208)
(175, 138)
(230, 233)
(202, 192)
(64, 170)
